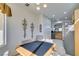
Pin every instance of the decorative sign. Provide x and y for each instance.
(32, 29)
(40, 28)
(24, 27)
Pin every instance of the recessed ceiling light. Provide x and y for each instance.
(37, 3)
(45, 5)
(37, 8)
(65, 12)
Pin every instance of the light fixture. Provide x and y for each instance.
(45, 5)
(38, 8)
(40, 5)
(65, 12)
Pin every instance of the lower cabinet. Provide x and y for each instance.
(58, 35)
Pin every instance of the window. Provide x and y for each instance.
(2, 29)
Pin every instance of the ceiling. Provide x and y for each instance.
(61, 11)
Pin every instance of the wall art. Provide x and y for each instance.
(24, 27)
(32, 29)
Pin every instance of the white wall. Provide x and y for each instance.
(46, 28)
(15, 29)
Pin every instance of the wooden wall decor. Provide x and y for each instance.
(76, 32)
(24, 27)
(5, 9)
(32, 29)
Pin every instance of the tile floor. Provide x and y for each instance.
(60, 49)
